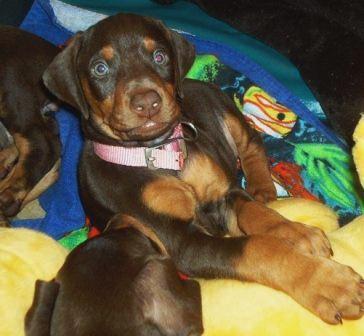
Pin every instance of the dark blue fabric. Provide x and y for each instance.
(61, 201)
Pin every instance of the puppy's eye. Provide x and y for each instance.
(160, 57)
(100, 69)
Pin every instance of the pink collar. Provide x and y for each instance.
(168, 156)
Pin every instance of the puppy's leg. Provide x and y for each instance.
(328, 289)
(39, 151)
(252, 217)
(253, 159)
(321, 285)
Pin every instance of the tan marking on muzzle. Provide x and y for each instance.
(101, 110)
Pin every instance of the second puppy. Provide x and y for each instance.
(120, 283)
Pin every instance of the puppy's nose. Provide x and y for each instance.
(146, 104)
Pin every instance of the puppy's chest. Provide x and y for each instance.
(206, 177)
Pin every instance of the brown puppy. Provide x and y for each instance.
(120, 283)
(33, 147)
(125, 75)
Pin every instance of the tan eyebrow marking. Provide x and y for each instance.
(149, 44)
(107, 52)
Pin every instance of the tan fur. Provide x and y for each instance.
(108, 52)
(272, 261)
(15, 176)
(206, 178)
(169, 196)
(149, 44)
(234, 126)
(8, 155)
(255, 217)
(101, 110)
(262, 253)
(253, 161)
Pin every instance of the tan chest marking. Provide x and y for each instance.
(206, 178)
(170, 196)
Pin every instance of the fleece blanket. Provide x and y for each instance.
(308, 160)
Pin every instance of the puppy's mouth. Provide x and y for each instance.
(149, 130)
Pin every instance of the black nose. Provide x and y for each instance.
(146, 104)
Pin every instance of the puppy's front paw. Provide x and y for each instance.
(308, 239)
(332, 291)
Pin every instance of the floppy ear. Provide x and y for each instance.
(184, 52)
(61, 76)
(38, 317)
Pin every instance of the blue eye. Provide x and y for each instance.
(101, 69)
(160, 57)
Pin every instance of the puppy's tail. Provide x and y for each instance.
(38, 317)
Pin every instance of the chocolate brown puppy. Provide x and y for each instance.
(163, 151)
(29, 158)
(120, 283)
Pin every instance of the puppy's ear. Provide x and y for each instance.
(184, 53)
(38, 317)
(61, 76)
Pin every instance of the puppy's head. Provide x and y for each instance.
(124, 74)
(135, 290)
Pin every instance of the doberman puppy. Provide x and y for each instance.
(119, 283)
(30, 147)
(125, 75)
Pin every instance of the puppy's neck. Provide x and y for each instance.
(168, 154)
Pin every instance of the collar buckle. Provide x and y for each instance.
(149, 159)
